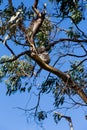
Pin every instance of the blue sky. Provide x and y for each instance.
(15, 119)
(12, 118)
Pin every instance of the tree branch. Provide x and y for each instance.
(10, 3)
(16, 57)
(35, 25)
(67, 118)
(38, 102)
(74, 55)
(65, 77)
(67, 39)
(35, 4)
(7, 46)
(9, 49)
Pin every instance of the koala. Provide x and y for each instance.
(43, 54)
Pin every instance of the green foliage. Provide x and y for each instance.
(70, 8)
(47, 86)
(44, 33)
(14, 71)
(54, 85)
(71, 33)
(59, 100)
(41, 115)
(12, 28)
(57, 118)
(76, 16)
(79, 74)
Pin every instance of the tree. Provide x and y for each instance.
(51, 47)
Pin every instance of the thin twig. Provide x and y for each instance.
(10, 3)
(9, 49)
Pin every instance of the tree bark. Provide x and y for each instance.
(65, 77)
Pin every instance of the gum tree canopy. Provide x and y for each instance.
(47, 52)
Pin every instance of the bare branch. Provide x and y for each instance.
(38, 102)
(83, 47)
(74, 55)
(83, 34)
(69, 40)
(19, 43)
(81, 62)
(67, 118)
(9, 49)
(26, 110)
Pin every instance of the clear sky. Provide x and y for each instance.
(12, 118)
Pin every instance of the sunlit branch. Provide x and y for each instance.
(14, 17)
(7, 37)
(67, 118)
